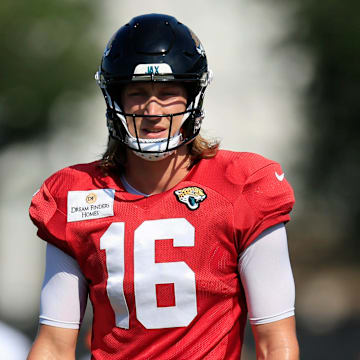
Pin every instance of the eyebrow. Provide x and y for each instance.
(164, 86)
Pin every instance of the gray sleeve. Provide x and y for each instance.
(64, 291)
(267, 278)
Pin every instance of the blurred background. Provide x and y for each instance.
(286, 85)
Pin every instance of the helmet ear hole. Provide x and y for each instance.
(191, 93)
(188, 126)
(115, 92)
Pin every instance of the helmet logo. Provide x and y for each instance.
(153, 70)
(191, 196)
(199, 47)
(200, 50)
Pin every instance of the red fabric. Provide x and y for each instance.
(165, 295)
(243, 197)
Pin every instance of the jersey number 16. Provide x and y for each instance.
(148, 273)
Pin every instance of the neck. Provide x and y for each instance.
(154, 177)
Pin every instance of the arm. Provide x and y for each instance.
(62, 307)
(276, 340)
(54, 343)
(268, 282)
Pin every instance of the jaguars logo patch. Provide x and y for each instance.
(191, 196)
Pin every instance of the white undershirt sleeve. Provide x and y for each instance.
(64, 292)
(267, 278)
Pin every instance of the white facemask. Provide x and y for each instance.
(159, 145)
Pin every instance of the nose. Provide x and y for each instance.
(153, 107)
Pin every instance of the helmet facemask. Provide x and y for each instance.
(158, 148)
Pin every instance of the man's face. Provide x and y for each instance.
(154, 99)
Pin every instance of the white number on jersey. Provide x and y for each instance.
(148, 273)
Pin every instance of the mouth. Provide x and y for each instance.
(155, 133)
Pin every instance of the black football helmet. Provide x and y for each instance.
(154, 48)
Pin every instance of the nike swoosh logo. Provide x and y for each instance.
(280, 177)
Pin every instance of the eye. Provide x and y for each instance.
(135, 93)
(169, 93)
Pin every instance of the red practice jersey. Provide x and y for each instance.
(162, 270)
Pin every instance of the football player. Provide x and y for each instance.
(175, 241)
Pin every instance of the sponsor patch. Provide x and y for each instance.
(90, 204)
(191, 196)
